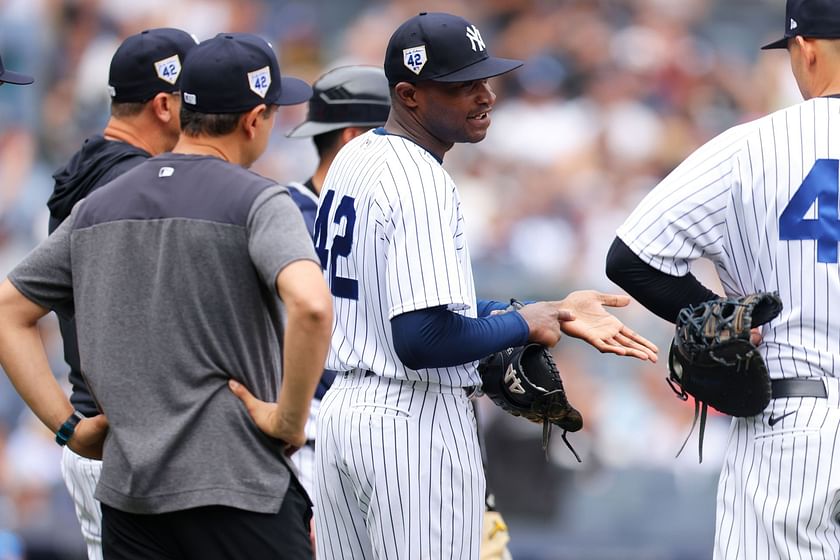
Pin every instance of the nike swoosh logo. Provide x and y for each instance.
(773, 421)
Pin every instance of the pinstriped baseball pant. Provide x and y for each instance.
(81, 476)
(779, 490)
(398, 472)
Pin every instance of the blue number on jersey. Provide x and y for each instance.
(821, 185)
(341, 244)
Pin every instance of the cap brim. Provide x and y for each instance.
(487, 68)
(308, 128)
(780, 44)
(292, 92)
(15, 78)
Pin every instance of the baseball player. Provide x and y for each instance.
(144, 79)
(398, 467)
(761, 202)
(346, 102)
(175, 272)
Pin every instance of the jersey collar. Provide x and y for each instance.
(382, 132)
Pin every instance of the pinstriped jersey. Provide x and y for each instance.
(761, 202)
(390, 234)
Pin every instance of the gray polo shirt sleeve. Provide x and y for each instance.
(277, 235)
(45, 276)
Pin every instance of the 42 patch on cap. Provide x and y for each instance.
(414, 58)
(259, 81)
(169, 69)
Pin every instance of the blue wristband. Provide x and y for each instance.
(65, 432)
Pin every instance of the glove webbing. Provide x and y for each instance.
(701, 410)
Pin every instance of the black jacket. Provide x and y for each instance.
(95, 164)
(98, 162)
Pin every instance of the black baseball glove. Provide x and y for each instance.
(524, 381)
(713, 360)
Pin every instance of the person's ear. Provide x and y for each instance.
(250, 121)
(406, 93)
(164, 107)
(808, 48)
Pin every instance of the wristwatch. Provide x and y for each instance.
(65, 432)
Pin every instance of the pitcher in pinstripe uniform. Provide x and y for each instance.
(761, 202)
(398, 467)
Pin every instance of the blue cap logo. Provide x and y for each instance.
(414, 58)
(259, 81)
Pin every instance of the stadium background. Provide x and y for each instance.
(614, 94)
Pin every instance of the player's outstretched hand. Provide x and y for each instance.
(269, 419)
(544, 318)
(89, 436)
(603, 330)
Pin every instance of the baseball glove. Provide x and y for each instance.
(524, 381)
(713, 359)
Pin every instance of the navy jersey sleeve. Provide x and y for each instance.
(436, 337)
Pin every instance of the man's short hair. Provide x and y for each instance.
(195, 123)
(326, 141)
(125, 109)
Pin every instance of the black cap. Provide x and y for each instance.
(819, 19)
(443, 48)
(10, 77)
(346, 96)
(149, 63)
(235, 72)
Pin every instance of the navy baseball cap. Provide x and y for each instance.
(443, 48)
(10, 77)
(149, 63)
(346, 96)
(235, 72)
(819, 19)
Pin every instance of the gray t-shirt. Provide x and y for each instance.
(171, 270)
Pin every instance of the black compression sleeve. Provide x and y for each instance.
(661, 293)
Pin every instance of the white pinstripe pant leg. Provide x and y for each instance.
(340, 530)
(778, 495)
(402, 474)
(304, 459)
(81, 476)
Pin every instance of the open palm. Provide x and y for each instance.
(595, 325)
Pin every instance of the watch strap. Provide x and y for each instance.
(65, 432)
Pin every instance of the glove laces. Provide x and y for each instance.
(546, 437)
(700, 410)
(546, 433)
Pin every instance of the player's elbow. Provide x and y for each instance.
(408, 340)
(313, 315)
(307, 298)
(616, 264)
(408, 358)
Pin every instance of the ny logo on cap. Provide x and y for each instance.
(474, 35)
(415, 58)
(259, 81)
(168, 69)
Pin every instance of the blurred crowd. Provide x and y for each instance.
(613, 95)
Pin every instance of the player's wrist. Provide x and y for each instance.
(291, 420)
(65, 432)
